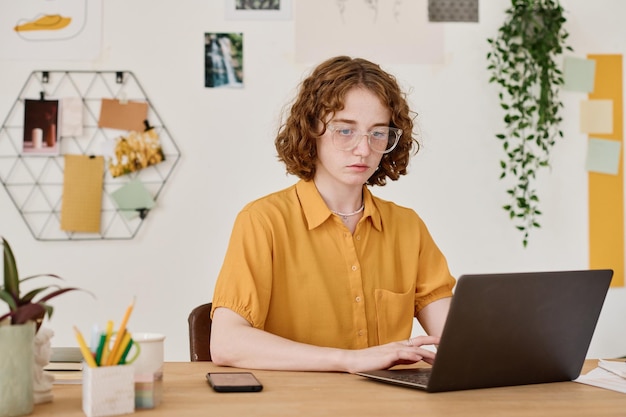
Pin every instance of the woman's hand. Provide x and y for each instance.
(395, 353)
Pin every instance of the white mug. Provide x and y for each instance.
(150, 358)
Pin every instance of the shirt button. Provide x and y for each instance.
(354, 267)
(358, 299)
(358, 237)
(360, 332)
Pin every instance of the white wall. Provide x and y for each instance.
(226, 141)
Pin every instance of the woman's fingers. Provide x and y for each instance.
(423, 340)
(416, 344)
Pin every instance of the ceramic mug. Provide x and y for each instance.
(150, 358)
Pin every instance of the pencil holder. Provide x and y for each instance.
(108, 390)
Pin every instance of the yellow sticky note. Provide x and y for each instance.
(82, 193)
(596, 116)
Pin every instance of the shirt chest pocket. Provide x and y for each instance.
(394, 315)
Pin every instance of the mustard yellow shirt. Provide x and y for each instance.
(293, 269)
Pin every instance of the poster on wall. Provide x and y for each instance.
(453, 10)
(258, 9)
(51, 29)
(223, 60)
(384, 31)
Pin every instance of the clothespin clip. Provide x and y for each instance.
(146, 123)
(119, 77)
(122, 98)
(42, 95)
(143, 212)
(45, 77)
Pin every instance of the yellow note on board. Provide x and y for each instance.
(82, 193)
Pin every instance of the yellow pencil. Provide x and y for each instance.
(120, 333)
(84, 349)
(122, 348)
(107, 341)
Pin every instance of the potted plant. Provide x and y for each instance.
(523, 63)
(18, 326)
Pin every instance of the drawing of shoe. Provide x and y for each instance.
(45, 22)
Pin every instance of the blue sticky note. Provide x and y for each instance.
(603, 156)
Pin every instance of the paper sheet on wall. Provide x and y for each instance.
(603, 155)
(128, 115)
(132, 198)
(71, 116)
(82, 193)
(596, 116)
(578, 74)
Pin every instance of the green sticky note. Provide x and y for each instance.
(603, 156)
(579, 74)
(131, 198)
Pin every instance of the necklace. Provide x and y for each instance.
(345, 216)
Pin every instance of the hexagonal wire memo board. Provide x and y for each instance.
(35, 182)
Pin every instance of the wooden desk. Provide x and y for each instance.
(186, 393)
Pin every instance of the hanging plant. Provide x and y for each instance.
(522, 62)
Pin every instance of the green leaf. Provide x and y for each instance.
(11, 280)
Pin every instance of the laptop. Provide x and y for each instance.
(512, 329)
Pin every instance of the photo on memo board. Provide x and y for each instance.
(223, 60)
(41, 119)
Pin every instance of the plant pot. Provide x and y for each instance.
(16, 369)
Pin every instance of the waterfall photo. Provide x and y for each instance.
(223, 60)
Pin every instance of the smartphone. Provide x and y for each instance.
(234, 382)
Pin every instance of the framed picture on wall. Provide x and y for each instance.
(258, 9)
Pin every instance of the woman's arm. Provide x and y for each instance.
(433, 316)
(234, 342)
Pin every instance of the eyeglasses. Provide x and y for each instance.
(382, 139)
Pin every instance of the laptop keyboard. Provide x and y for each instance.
(419, 377)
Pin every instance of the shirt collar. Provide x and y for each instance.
(316, 212)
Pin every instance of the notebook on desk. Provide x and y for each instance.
(512, 329)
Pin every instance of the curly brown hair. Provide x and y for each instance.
(322, 94)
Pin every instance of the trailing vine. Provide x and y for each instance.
(522, 62)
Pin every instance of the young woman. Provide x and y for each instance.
(323, 275)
